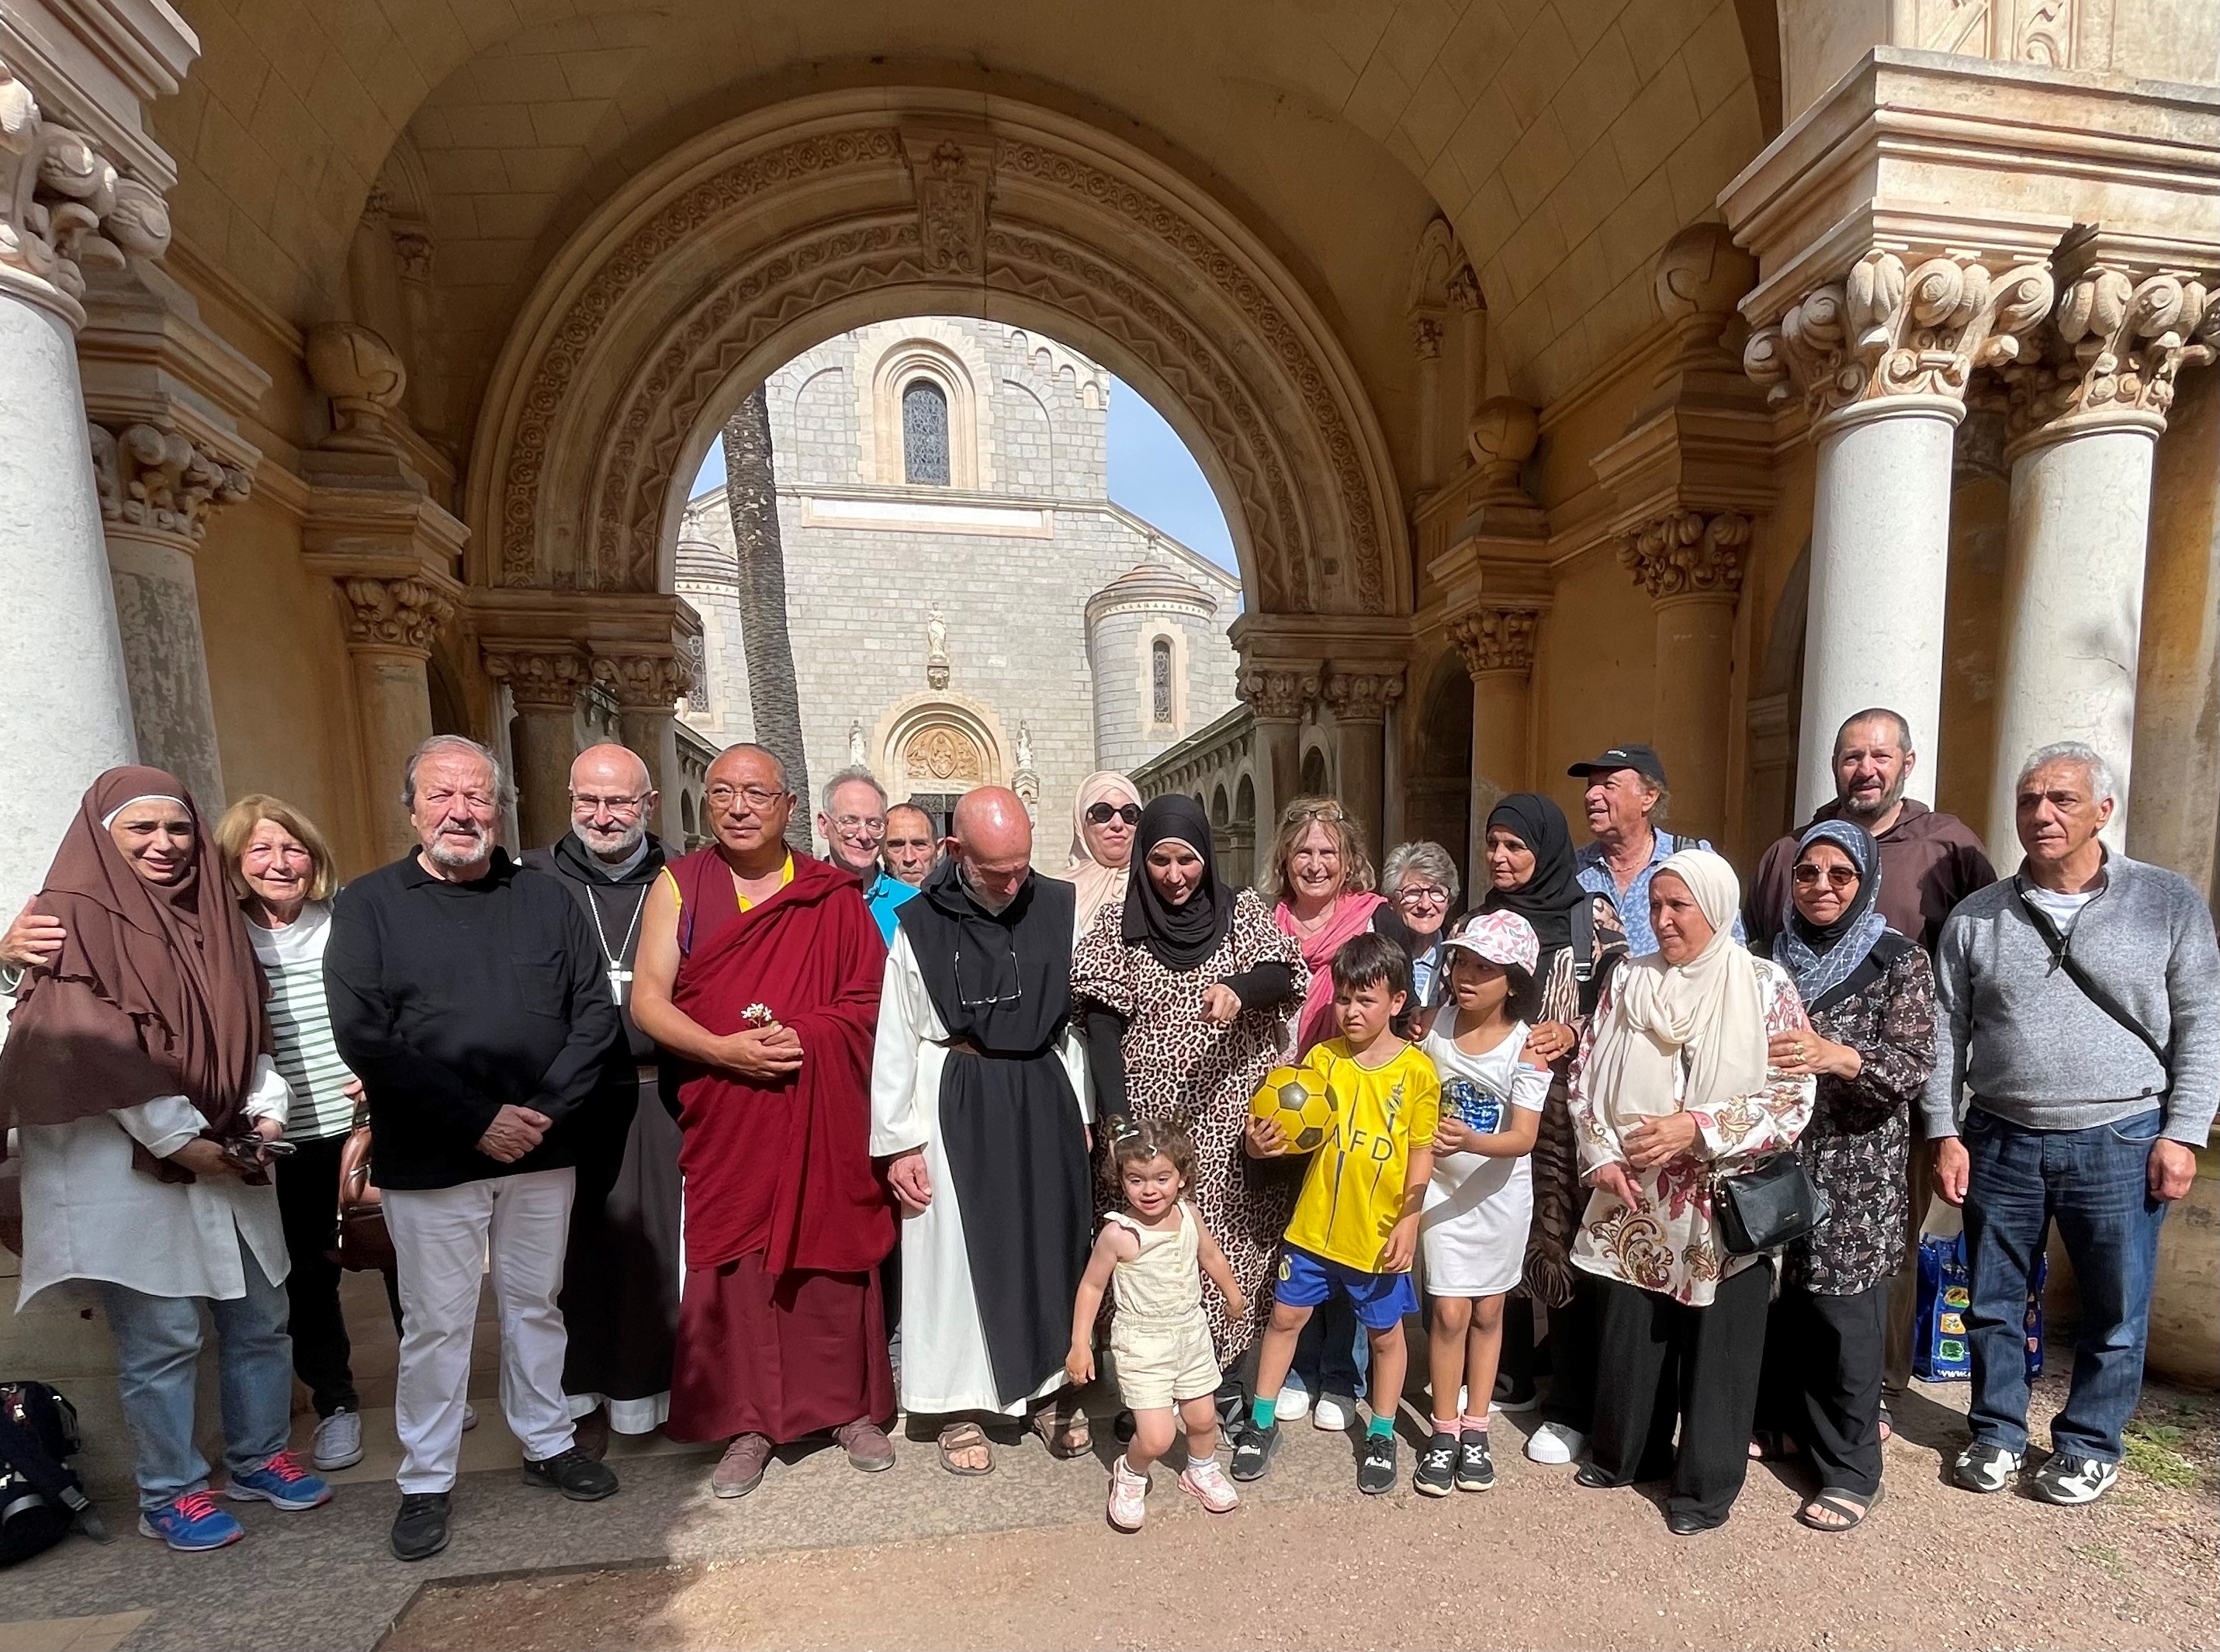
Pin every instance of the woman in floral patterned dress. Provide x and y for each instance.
(1673, 1086)
(1870, 993)
(1187, 989)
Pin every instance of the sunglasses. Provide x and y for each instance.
(1103, 814)
(1838, 877)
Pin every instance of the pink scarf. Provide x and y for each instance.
(1352, 916)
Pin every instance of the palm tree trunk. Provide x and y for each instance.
(752, 497)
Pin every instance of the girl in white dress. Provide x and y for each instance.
(1480, 1199)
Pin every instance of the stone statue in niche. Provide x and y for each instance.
(856, 746)
(936, 650)
(1025, 747)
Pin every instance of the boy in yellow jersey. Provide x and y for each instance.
(1356, 1223)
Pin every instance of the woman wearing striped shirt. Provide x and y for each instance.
(283, 871)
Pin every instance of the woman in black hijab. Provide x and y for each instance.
(1187, 989)
(1531, 871)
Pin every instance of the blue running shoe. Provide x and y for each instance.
(191, 1523)
(282, 1483)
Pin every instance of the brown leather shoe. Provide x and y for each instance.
(740, 1470)
(589, 1435)
(867, 1445)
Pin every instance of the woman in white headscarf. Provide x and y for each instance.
(1105, 814)
(1674, 1085)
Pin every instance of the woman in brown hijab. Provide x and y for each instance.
(138, 1073)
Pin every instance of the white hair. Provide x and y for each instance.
(855, 774)
(2098, 772)
(1429, 860)
(503, 790)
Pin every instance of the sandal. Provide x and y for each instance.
(965, 1437)
(1063, 1428)
(1887, 1424)
(1773, 1445)
(1848, 1508)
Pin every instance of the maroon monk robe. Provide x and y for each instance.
(781, 1331)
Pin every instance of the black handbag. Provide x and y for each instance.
(1768, 1206)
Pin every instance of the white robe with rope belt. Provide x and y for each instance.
(945, 1366)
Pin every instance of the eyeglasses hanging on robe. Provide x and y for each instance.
(989, 979)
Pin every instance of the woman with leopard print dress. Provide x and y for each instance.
(1186, 987)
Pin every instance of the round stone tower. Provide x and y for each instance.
(1145, 632)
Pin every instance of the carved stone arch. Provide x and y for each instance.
(773, 232)
(940, 742)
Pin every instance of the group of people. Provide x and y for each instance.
(757, 1148)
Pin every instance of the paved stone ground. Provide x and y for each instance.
(821, 1557)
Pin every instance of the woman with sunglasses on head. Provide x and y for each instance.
(1870, 993)
(1104, 814)
(1188, 988)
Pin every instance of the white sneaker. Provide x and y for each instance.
(1334, 1413)
(470, 1417)
(1294, 1403)
(1554, 1443)
(338, 1443)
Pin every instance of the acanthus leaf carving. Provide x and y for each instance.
(1495, 638)
(2113, 351)
(1278, 693)
(647, 681)
(540, 676)
(1363, 696)
(394, 613)
(1885, 332)
(64, 207)
(1687, 553)
(161, 480)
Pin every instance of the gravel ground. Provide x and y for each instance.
(1535, 1562)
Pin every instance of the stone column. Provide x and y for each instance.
(2083, 426)
(1277, 695)
(544, 681)
(1690, 562)
(62, 206)
(1426, 344)
(1882, 359)
(1472, 340)
(392, 622)
(646, 687)
(1360, 697)
(1497, 645)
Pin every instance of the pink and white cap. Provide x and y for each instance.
(1501, 938)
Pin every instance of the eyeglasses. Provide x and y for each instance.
(1321, 812)
(1017, 981)
(755, 797)
(859, 822)
(1103, 814)
(1838, 877)
(1423, 894)
(587, 803)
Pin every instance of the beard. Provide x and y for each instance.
(1866, 814)
(442, 851)
(624, 844)
(996, 906)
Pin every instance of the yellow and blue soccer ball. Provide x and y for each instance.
(1297, 1100)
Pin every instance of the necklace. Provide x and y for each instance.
(619, 972)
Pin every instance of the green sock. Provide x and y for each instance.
(1262, 1409)
(1382, 1427)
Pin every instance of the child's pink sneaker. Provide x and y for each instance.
(1128, 1493)
(1206, 1483)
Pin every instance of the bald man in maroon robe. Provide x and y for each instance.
(760, 969)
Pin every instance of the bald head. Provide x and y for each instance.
(992, 836)
(611, 796)
(749, 806)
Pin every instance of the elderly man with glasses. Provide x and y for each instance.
(759, 970)
(620, 1276)
(851, 818)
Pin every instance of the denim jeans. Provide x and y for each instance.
(1333, 1354)
(158, 1352)
(2094, 1186)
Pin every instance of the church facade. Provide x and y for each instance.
(966, 605)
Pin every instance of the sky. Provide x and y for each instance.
(1151, 474)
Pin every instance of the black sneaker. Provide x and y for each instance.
(575, 1474)
(1475, 1470)
(1254, 1455)
(1985, 1467)
(2069, 1480)
(1375, 1469)
(1437, 1474)
(419, 1531)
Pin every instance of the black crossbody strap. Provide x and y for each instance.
(2062, 954)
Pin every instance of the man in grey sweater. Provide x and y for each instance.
(2086, 1100)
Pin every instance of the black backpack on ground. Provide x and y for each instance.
(40, 1496)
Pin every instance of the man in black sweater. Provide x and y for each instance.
(468, 995)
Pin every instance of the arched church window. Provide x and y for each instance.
(1160, 679)
(925, 434)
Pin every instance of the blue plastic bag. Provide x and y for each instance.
(1940, 1351)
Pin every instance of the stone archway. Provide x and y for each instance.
(756, 240)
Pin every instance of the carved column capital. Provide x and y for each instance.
(1363, 696)
(1462, 286)
(402, 614)
(1885, 336)
(1426, 337)
(1278, 693)
(643, 681)
(158, 481)
(540, 676)
(1687, 553)
(64, 207)
(2109, 356)
(1495, 638)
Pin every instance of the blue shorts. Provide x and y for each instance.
(1380, 1300)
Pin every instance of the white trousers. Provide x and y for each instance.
(447, 1239)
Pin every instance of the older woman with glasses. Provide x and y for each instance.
(1421, 879)
(1105, 813)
